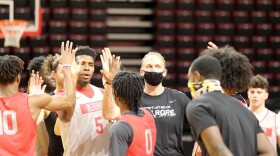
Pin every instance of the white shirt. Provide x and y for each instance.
(87, 134)
(270, 124)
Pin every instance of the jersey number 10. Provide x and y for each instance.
(8, 118)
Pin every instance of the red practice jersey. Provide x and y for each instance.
(144, 134)
(17, 127)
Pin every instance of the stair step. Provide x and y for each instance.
(130, 49)
(126, 23)
(129, 36)
(130, 1)
(128, 11)
(131, 62)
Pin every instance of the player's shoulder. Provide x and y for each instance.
(20, 94)
(98, 88)
(271, 112)
(121, 127)
(102, 90)
(203, 99)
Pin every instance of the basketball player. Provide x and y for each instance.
(42, 140)
(135, 132)
(83, 130)
(236, 67)
(51, 66)
(236, 74)
(167, 106)
(19, 111)
(219, 123)
(257, 94)
(36, 64)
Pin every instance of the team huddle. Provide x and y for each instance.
(62, 113)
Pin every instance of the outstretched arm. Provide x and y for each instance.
(56, 102)
(65, 115)
(110, 67)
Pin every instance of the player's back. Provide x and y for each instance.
(238, 126)
(144, 133)
(87, 133)
(17, 127)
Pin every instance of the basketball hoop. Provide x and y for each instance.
(12, 31)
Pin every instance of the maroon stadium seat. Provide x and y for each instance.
(184, 16)
(79, 14)
(185, 41)
(206, 29)
(60, 14)
(222, 16)
(259, 41)
(186, 54)
(265, 54)
(165, 28)
(259, 66)
(58, 27)
(185, 28)
(258, 16)
(78, 27)
(240, 16)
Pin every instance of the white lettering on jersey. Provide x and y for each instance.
(91, 107)
(7, 119)
(149, 140)
(161, 111)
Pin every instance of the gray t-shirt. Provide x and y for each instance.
(238, 126)
(168, 110)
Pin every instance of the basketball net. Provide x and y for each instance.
(12, 31)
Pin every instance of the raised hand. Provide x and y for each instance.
(110, 65)
(106, 59)
(115, 65)
(35, 84)
(75, 66)
(67, 54)
(212, 46)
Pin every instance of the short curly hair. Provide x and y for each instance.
(86, 50)
(236, 68)
(50, 64)
(259, 81)
(37, 64)
(10, 67)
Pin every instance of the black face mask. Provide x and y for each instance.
(153, 78)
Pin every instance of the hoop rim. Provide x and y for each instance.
(12, 22)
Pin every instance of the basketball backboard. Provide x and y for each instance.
(29, 10)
